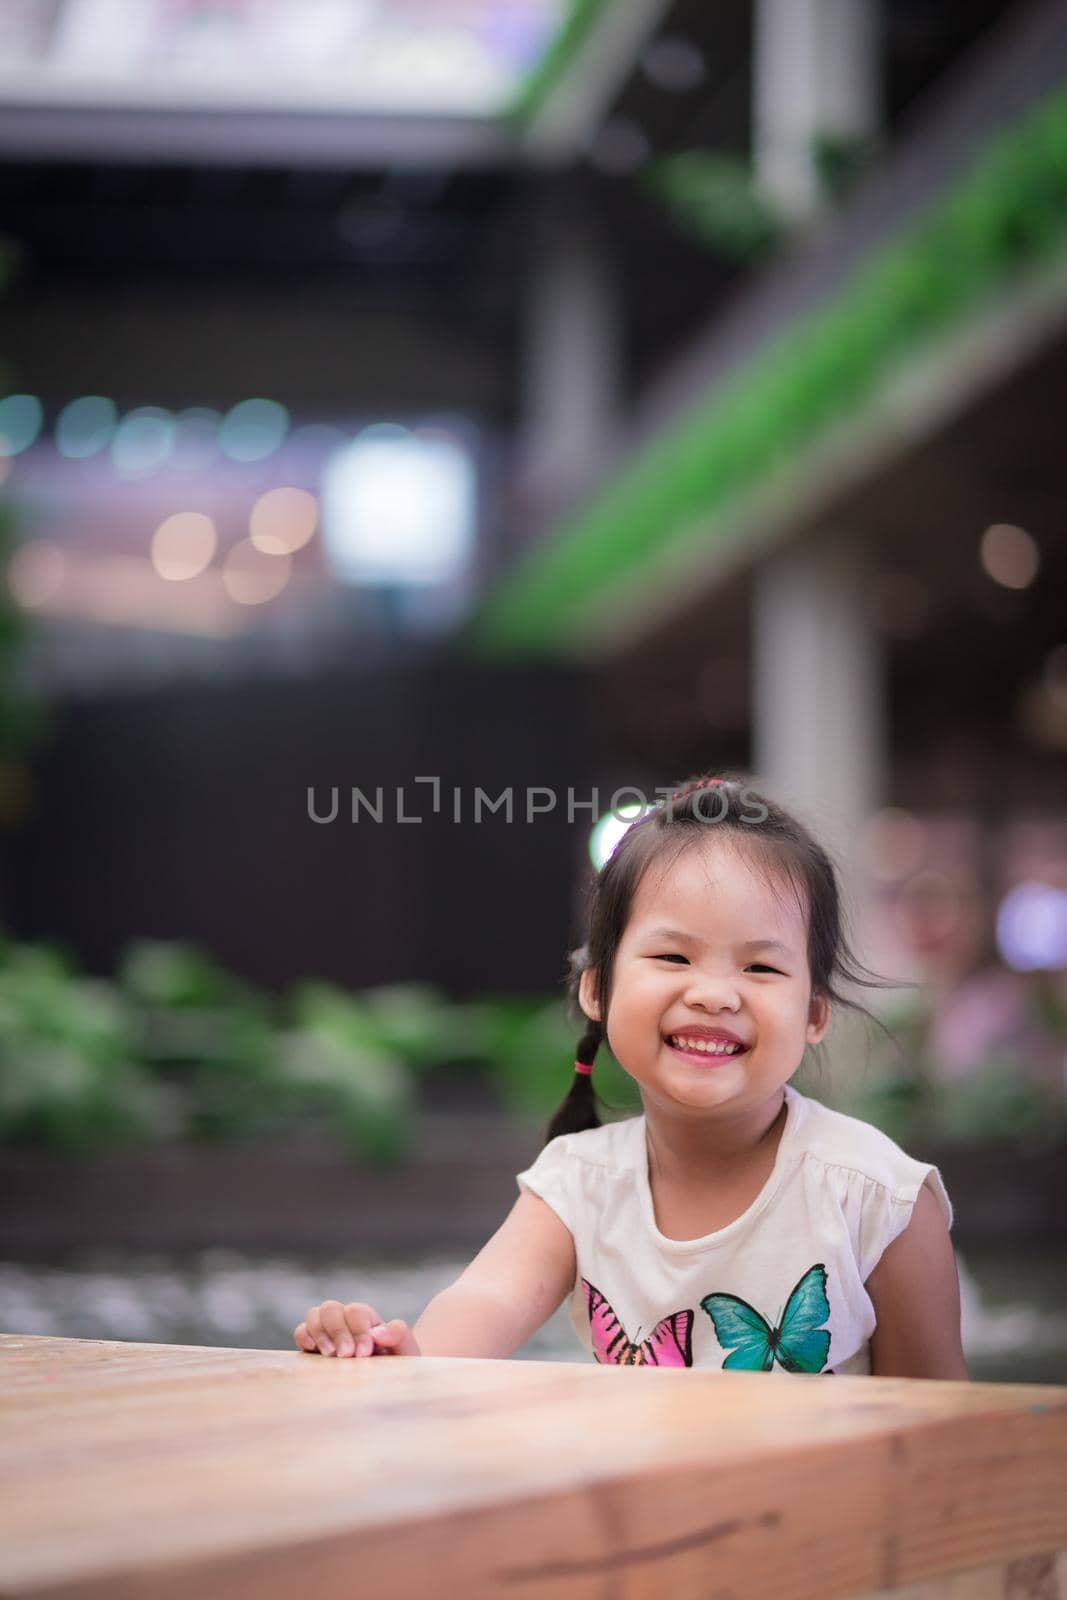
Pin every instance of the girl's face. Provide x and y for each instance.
(698, 957)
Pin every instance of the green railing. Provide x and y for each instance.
(1008, 213)
(557, 60)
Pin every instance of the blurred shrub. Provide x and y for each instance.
(999, 1099)
(528, 1047)
(178, 1048)
(69, 1073)
(841, 160)
(716, 198)
(994, 1103)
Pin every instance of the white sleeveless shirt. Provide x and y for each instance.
(779, 1289)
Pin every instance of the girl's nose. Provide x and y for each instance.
(713, 994)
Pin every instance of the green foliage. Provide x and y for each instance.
(178, 1048)
(346, 1063)
(996, 1098)
(994, 1103)
(170, 974)
(716, 198)
(204, 1035)
(69, 1077)
(1007, 213)
(418, 1023)
(841, 160)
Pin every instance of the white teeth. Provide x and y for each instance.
(706, 1046)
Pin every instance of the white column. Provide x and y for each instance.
(819, 701)
(816, 71)
(571, 367)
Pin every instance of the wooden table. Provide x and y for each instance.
(169, 1470)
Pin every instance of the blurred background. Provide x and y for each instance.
(406, 402)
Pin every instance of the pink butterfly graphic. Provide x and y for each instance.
(670, 1344)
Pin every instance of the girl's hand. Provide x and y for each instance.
(331, 1329)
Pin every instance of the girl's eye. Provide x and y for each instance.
(756, 966)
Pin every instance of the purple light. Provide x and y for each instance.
(1032, 928)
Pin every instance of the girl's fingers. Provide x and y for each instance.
(395, 1339)
(355, 1337)
(353, 1330)
(319, 1330)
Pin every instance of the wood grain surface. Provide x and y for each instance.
(169, 1471)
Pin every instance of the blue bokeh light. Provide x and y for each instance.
(21, 416)
(86, 426)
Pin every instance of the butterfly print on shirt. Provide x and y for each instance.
(799, 1343)
(670, 1344)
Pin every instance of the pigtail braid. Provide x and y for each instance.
(578, 1109)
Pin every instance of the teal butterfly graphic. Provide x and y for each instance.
(796, 1343)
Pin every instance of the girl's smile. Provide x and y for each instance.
(706, 1044)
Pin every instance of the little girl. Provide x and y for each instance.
(736, 1223)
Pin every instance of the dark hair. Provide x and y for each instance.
(776, 844)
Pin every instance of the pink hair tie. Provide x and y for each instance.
(707, 783)
(583, 1066)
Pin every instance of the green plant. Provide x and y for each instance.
(336, 1058)
(179, 1048)
(716, 198)
(69, 1074)
(1007, 212)
(996, 1101)
(840, 160)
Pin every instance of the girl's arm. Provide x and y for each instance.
(915, 1290)
(510, 1289)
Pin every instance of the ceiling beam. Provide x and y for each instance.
(249, 138)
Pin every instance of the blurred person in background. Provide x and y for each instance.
(972, 1014)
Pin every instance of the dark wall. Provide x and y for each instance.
(185, 814)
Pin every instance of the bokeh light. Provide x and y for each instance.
(143, 441)
(1009, 555)
(21, 416)
(398, 508)
(1041, 712)
(314, 438)
(196, 438)
(619, 148)
(673, 63)
(253, 430)
(283, 520)
(610, 829)
(183, 545)
(252, 578)
(1032, 927)
(86, 426)
(35, 573)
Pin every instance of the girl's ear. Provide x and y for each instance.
(587, 995)
(818, 1018)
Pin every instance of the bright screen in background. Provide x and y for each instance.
(430, 57)
(399, 508)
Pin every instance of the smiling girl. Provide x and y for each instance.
(736, 1222)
